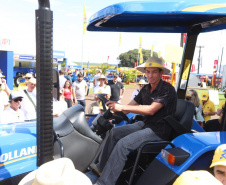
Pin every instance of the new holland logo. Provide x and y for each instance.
(150, 64)
(16, 154)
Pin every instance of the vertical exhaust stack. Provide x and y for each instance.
(44, 65)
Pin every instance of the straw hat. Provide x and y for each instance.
(28, 75)
(1, 76)
(153, 62)
(32, 80)
(57, 172)
(142, 82)
(196, 178)
(219, 157)
(101, 77)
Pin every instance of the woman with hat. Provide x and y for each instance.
(22, 86)
(141, 84)
(102, 88)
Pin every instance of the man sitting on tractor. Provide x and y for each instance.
(158, 99)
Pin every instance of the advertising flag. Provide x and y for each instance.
(152, 50)
(84, 21)
(159, 54)
(140, 45)
(141, 58)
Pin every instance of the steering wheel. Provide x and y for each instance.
(104, 101)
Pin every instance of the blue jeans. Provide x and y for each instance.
(83, 103)
(118, 144)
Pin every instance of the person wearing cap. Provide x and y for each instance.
(28, 105)
(102, 88)
(57, 172)
(141, 84)
(22, 86)
(4, 85)
(4, 100)
(196, 178)
(96, 77)
(208, 106)
(117, 90)
(219, 163)
(79, 89)
(13, 113)
(158, 100)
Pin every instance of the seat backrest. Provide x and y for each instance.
(184, 113)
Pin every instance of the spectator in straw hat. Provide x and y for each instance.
(28, 105)
(4, 85)
(57, 172)
(141, 84)
(219, 163)
(13, 114)
(102, 88)
(158, 100)
(23, 85)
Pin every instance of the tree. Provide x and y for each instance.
(129, 58)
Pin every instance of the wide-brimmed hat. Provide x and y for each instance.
(219, 157)
(196, 178)
(28, 75)
(188, 94)
(101, 77)
(32, 80)
(153, 62)
(57, 172)
(204, 96)
(1, 75)
(14, 95)
(142, 82)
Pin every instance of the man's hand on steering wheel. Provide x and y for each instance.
(114, 106)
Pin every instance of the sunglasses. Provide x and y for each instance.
(18, 99)
(27, 78)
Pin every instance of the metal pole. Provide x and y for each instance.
(199, 59)
(44, 66)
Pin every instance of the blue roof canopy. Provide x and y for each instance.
(170, 16)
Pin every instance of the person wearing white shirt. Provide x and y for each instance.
(79, 89)
(102, 88)
(28, 105)
(62, 79)
(141, 84)
(13, 114)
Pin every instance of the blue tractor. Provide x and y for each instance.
(26, 146)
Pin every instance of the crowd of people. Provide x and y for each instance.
(204, 109)
(18, 106)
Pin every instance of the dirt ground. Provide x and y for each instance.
(125, 100)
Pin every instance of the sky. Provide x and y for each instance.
(17, 23)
